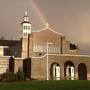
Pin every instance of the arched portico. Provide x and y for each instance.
(69, 70)
(55, 71)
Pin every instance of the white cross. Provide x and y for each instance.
(47, 25)
(26, 13)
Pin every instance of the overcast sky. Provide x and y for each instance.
(69, 17)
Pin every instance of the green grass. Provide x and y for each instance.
(46, 85)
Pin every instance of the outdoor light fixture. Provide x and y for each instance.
(47, 58)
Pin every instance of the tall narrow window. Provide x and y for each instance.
(24, 27)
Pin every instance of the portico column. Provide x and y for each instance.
(76, 72)
(62, 72)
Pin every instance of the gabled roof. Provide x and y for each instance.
(40, 30)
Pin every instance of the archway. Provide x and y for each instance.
(55, 71)
(27, 68)
(69, 70)
(82, 71)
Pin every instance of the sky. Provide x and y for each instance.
(69, 17)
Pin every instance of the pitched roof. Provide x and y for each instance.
(50, 29)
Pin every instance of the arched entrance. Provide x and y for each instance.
(69, 70)
(55, 71)
(27, 68)
(82, 71)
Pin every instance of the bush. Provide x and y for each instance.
(20, 75)
(8, 76)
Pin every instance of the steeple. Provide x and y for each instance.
(25, 32)
(25, 26)
(26, 13)
(47, 25)
(26, 19)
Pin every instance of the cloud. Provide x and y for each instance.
(70, 17)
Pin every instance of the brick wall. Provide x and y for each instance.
(39, 69)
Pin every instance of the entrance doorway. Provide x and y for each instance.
(69, 70)
(27, 68)
(55, 71)
(82, 71)
(11, 64)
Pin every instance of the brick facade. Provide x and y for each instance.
(61, 58)
(39, 69)
(35, 47)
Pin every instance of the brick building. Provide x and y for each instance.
(52, 56)
(44, 55)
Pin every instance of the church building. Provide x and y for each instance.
(44, 55)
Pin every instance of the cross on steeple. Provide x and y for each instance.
(47, 25)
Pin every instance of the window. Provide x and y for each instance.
(24, 27)
(25, 34)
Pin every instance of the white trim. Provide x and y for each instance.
(40, 57)
(8, 57)
(40, 30)
(4, 46)
(19, 58)
(5, 57)
(70, 55)
(48, 29)
(62, 55)
(73, 50)
(48, 54)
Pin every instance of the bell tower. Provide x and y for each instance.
(25, 26)
(25, 32)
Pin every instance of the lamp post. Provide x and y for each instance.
(47, 58)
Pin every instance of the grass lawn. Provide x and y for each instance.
(46, 85)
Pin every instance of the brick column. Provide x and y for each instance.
(76, 72)
(62, 72)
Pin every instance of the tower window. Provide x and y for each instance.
(26, 18)
(25, 27)
(25, 34)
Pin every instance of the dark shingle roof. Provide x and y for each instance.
(9, 42)
(25, 22)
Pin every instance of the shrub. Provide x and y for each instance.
(20, 74)
(8, 76)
